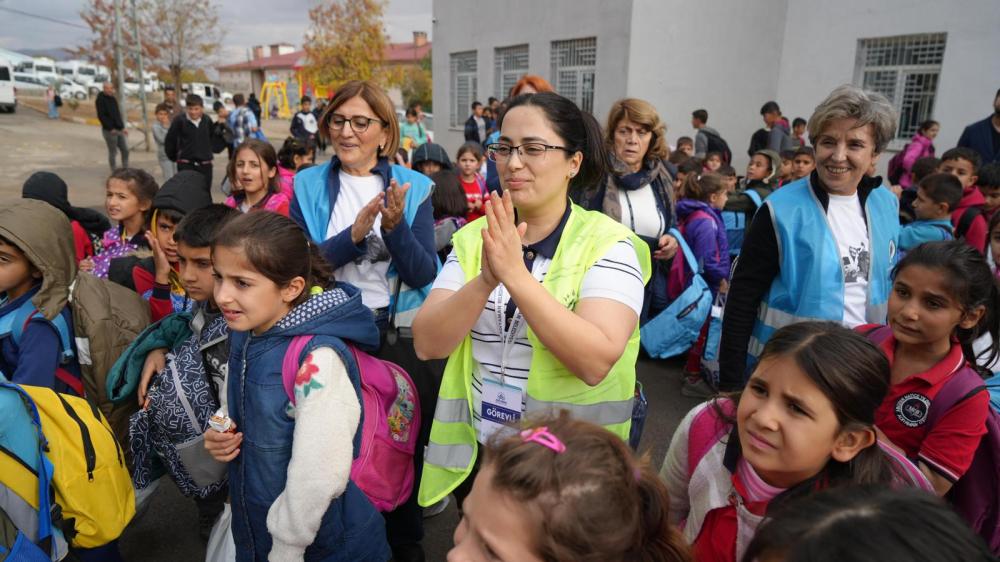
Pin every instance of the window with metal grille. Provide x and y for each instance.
(511, 63)
(573, 70)
(904, 69)
(463, 86)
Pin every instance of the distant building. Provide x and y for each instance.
(284, 63)
(932, 59)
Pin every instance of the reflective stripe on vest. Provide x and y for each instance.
(551, 387)
(810, 285)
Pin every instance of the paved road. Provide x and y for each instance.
(168, 531)
(30, 142)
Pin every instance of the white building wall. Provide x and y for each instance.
(821, 44)
(718, 55)
(481, 26)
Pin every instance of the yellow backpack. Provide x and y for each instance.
(92, 486)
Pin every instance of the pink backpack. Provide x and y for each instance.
(390, 424)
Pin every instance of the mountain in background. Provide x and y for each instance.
(55, 54)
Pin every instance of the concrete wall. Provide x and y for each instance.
(461, 26)
(821, 44)
(719, 55)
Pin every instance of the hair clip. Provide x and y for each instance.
(315, 290)
(543, 437)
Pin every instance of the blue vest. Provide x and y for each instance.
(257, 393)
(810, 284)
(314, 200)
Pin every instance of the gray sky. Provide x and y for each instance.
(247, 23)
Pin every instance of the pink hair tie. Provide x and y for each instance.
(543, 437)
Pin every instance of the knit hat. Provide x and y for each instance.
(186, 191)
(431, 152)
(50, 188)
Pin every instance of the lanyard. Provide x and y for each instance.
(507, 334)
(631, 212)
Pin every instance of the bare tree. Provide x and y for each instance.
(100, 48)
(186, 32)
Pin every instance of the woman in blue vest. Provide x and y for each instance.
(822, 247)
(374, 223)
(639, 190)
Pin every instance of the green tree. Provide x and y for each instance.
(417, 85)
(345, 42)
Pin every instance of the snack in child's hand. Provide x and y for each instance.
(220, 421)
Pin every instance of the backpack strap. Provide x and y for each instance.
(290, 364)
(754, 196)
(705, 429)
(965, 383)
(965, 222)
(947, 229)
(692, 262)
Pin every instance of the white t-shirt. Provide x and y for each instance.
(367, 272)
(640, 212)
(481, 125)
(847, 221)
(616, 276)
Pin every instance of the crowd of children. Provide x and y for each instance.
(252, 383)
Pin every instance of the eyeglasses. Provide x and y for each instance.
(359, 123)
(499, 152)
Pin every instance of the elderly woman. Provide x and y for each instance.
(821, 247)
(374, 222)
(638, 192)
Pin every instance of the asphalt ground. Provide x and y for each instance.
(168, 530)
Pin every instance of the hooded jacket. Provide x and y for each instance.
(186, 191)
(701, 140)
(50, 188)
(44, 235)
(432, 152)
(274, 513)
(780, 138)
(919, 147)
(705, 233)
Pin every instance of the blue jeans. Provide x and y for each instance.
(53, 110)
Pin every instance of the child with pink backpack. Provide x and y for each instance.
(804, 422)
(293, 473)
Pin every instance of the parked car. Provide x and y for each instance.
(70, 89)
(28, 82)
(8, 93)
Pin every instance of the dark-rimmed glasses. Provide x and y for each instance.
(359, 123)
(500, 152)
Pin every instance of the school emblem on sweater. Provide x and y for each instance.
(912, 409)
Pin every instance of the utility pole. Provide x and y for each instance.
(142, 78)
(119, 64)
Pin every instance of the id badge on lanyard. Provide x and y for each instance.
(501, 402)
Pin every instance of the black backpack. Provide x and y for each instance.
(57, 100)
(966, 220)
(718, 144)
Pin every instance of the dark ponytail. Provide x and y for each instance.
(701, 186)
(579, 130)
(277, 248)
(971, 284)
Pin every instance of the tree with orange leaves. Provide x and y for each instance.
(346, 42)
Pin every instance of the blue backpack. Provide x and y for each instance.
(15, 323)
(736, 223)
(674, 330)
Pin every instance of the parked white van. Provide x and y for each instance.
(8, 94)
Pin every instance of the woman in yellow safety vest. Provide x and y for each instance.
(537, 306)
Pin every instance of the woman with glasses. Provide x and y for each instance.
(374, 222)
(638, 192)
(537, 307)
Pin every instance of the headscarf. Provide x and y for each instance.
(50, 188)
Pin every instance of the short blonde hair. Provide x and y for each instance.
(642, 113)
(377, 99)
(851, 102)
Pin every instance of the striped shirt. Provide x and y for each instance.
(616, 276)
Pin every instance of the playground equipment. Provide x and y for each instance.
(274, 93)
